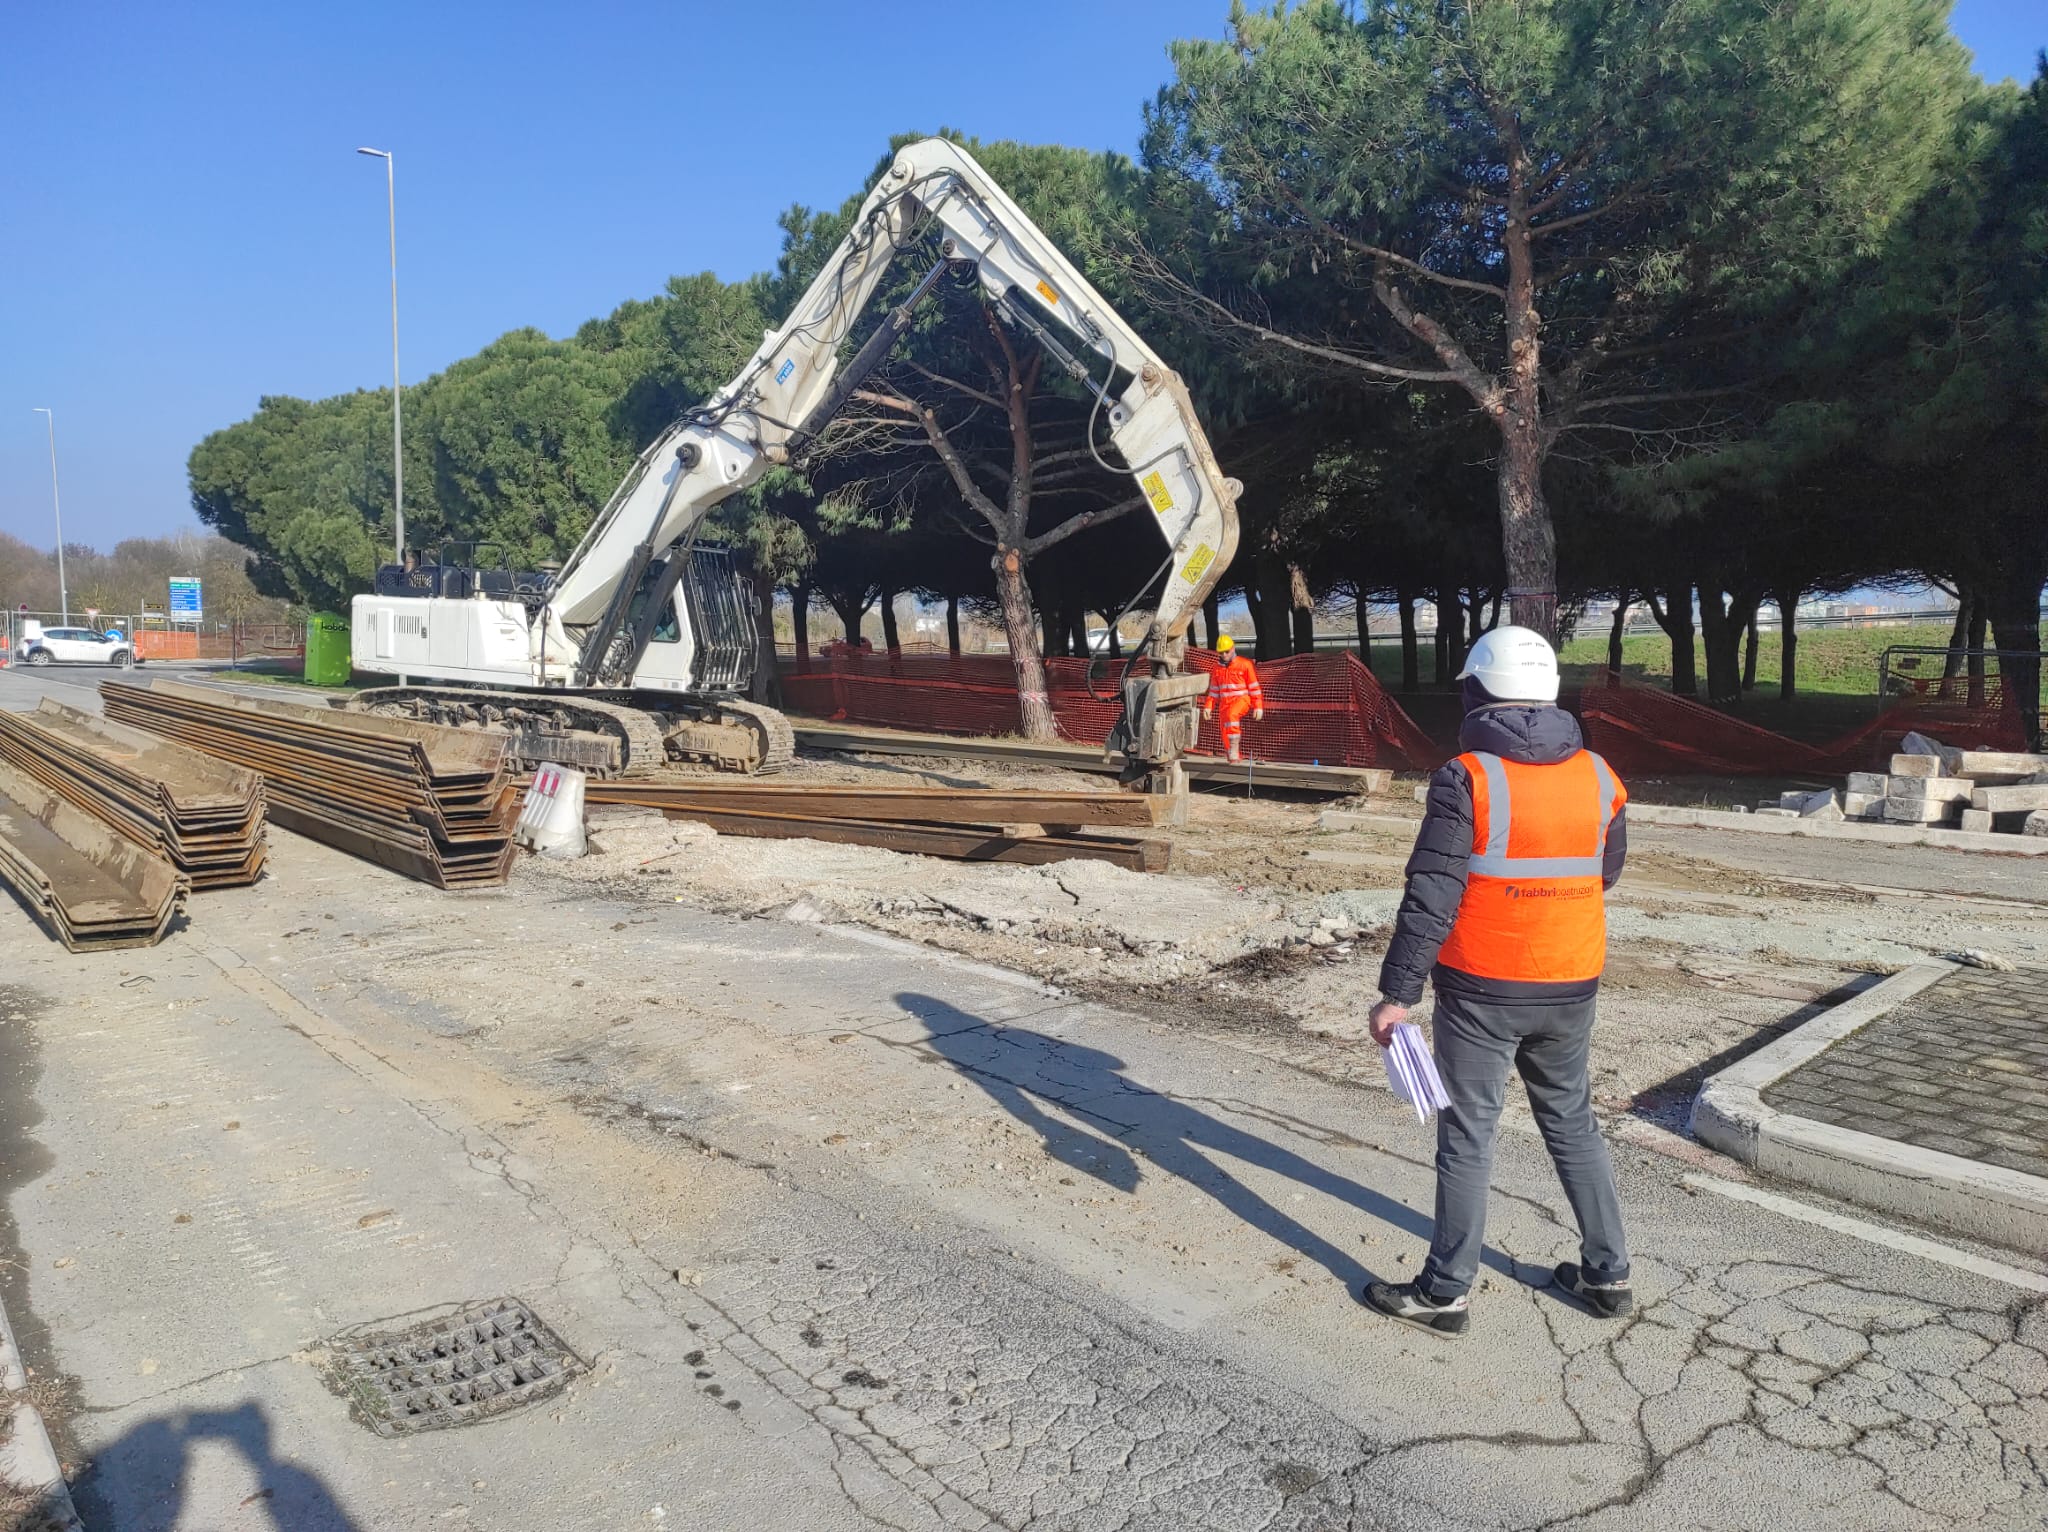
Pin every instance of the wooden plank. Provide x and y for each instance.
(1339, 781)
(955, 842)
(937, 805)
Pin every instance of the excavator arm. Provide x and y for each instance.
(794, 384)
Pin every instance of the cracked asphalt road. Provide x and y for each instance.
(855, 1235)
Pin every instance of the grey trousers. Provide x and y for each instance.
(1477, 1043)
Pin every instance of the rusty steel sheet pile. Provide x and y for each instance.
(86, 883)
(970, 824)
(433, 803)
(202, 815)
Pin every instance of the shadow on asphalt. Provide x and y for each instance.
(137, 1482)
(1110, 1122)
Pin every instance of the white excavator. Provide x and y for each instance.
(642, 646)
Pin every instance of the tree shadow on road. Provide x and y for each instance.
(138, 1482)
(1111, 1121)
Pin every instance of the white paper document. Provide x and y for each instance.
(1411, 1072)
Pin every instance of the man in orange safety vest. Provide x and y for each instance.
(1235, 688)
(1504, 914)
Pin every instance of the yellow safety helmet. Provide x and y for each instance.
(1225, 644)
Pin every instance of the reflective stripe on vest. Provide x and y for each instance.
(1538, 917)
(1494, 861)
(1234, 679)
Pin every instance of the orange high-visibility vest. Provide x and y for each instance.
(1535, 908)
(1236, 680)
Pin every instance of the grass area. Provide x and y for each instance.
(1837, 661)
(1831, 661)
(290, 673)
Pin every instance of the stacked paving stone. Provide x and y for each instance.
(1984, 791)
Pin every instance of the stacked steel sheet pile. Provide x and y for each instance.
(90, 886)
(972, 824)
(204, 816)
(434, 803)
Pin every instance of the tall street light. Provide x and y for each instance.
(57, 505)
(397, 418)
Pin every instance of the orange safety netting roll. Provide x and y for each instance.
(1323, 707)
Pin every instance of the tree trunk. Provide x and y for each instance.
(766, 670)
(1980, 616)
(1675, 618)
(2014, 608)
(1013, 591)
(1212, 616)
(1614, 636)
(1273, 616)
(1077, 629)
(1528, 540)
(1723, 620)
(1364, 619)
(1958, 641)
(1788, 644)
(1304, 610)
(1450, 635)
(1720, 645)
(1749, 654)
(1116, 639)
(1054, 639)
(891, 639)
(1411, 661)
(767, 685)
(953, 626)
(800, 624)
(850, 617)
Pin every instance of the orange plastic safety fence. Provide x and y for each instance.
(1323, 707)
(1645, 731)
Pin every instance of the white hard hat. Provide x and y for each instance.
(1514, 665)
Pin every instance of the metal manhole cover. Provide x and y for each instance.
(483, 1360)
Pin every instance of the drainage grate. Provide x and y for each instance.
(481, 1361)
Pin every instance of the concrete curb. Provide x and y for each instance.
(1822, 829)
(29, 1467)
(1987, 1202)
(28, 1463)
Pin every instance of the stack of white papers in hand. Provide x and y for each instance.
(1411, 1072)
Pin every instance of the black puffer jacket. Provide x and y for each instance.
(1537, 736)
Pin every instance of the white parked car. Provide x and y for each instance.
(74, 646)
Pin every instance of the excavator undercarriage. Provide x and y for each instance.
(608, 734)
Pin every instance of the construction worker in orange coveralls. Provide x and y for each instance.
(1234, 688)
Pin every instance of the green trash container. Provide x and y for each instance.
(327, 662)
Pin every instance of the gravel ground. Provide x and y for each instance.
(1270, 925)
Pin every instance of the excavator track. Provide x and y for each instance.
(602, 738)
(778, 739)
(605, 736)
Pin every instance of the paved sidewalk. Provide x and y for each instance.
(1926, 1095)
(1961, 1067)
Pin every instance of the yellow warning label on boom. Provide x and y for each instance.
(1197, 562)
(1045, 291)
(1154, 486)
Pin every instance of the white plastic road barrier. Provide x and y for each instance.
(551, 820)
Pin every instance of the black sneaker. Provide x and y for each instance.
(1604, 1300)
(1408, 1303)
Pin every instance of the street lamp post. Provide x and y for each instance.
(397, 413)
(57, 506)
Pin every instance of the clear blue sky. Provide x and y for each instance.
(185, 226)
